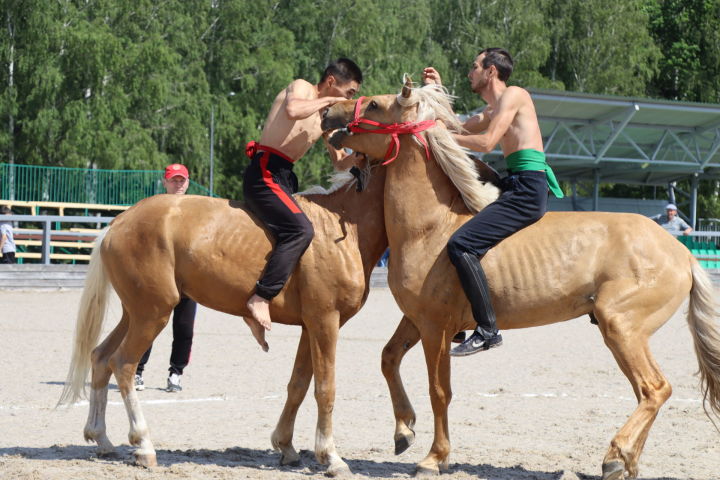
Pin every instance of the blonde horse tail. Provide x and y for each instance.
(706, 337)
(90, 317)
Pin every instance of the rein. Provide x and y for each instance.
(394, 129)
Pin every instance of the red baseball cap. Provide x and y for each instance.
(175, 170)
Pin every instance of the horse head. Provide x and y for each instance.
(370, 115)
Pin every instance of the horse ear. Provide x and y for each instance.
(407, 88)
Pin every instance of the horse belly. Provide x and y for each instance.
(538, 280)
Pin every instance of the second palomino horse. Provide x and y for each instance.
(622, 269)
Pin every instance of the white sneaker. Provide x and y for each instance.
(139, 384)
(173, 383)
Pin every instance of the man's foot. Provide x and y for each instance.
(173, 383)
(139, 384)
(260, 309)
(258, 332)
(476, 343)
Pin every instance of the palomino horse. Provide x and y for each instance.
(623, 270)
(213, 251)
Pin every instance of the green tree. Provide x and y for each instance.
(688, 33)
(249, 58)
(600, 46)
(464, 27)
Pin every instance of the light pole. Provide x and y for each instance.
(212, 148)
(212, 145)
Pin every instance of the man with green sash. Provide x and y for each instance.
(510, 120)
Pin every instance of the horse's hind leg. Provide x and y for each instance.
(297, 389)
(626, 327)
(141, 332)
(95, 429)
(405, 337)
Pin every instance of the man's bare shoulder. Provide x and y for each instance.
(301, 88)
(517, 92)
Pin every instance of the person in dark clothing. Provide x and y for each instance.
(292, 127)
(176, 181)
(510, 120)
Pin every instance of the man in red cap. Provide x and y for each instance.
(176, 181)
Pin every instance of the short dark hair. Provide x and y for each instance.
(501, 59)
(5, 209)
(344, 70)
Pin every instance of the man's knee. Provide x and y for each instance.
(308, 232)
(455, 248)
(302, 236)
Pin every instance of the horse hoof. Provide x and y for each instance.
(146, 459)
(338, 470)
(424, 472)
(614, 470)
(403, 442)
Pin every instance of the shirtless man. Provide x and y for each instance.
(510, 120)
(292, 127)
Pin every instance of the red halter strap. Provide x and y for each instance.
(394, 129)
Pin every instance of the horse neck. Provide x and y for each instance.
(362, 211)
(420, 200)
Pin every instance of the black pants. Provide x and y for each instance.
(268, 185)
(8, 257)
(183, 323)
(523, 201)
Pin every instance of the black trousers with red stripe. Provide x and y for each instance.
(268, 185)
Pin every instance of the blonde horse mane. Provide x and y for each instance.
(435, 103)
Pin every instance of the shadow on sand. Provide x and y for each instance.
(268, 460)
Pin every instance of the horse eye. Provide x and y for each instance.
(372, 105)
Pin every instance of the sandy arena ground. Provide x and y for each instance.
(544, 406)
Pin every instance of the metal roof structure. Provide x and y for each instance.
(612, 139)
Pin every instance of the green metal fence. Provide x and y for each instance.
(82, 185)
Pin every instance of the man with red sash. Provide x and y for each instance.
(291, 128)
(510, 120)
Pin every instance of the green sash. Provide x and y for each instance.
(530, 159)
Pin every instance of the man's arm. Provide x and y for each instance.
(687, 228)
(299, 102)
(338, 158)
(507, 108)
(2, 242)
(477, 123)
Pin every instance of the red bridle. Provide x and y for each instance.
(394, 129)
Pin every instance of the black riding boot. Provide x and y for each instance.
(474, 284)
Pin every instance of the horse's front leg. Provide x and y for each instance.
(405, 337)
(323, 334)
(297, 388)
(436, 344)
